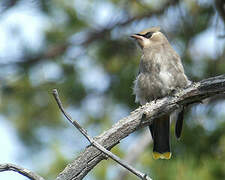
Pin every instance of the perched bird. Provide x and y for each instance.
(160, 72)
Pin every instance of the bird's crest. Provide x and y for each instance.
(152, 29)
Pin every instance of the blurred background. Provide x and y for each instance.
(82, 48)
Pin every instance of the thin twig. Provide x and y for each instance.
(97, 145)
(25, 172)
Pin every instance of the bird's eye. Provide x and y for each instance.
(148, 35)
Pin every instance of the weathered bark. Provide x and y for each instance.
(139, 118)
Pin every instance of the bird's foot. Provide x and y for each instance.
(143, 117)
(155, 100)
(175, 92)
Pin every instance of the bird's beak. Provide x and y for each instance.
(136, 36)
(140, 39)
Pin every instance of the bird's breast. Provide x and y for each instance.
(160, 72)
(154, 81)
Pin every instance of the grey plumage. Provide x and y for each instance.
(160, 72)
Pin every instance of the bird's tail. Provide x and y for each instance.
(179, 122)
(160, 130)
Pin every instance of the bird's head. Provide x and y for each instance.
(149, 37)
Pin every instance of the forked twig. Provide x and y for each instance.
(96, 144)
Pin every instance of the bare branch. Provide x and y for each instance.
(95, 144)
(91, 156)
(134, 152)
(25, 172)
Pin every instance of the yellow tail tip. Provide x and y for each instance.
(166, 155)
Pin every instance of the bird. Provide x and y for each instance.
(160, 73)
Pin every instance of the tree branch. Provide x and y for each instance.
(25, 172)
(96, 35)
(92, 36)
(91, 156)
(95, 144)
